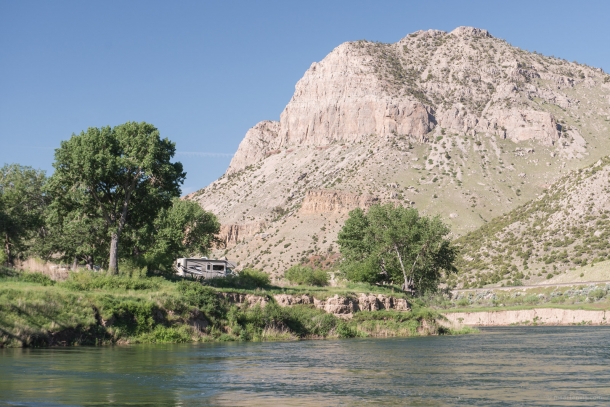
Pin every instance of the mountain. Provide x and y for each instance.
(458, 124)
(566, 227)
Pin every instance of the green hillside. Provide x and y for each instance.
(566, 227)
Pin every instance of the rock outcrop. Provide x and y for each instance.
(260, 141)
(463, 81)
(333, 201)
(337, 305)
(231, 234)
(341, 99)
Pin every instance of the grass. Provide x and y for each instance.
(320, 293)
(93, 309)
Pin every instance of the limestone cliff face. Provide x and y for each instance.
(333, 201)
(232, 234)
(341, 99)
(258, 143)
(465, 81)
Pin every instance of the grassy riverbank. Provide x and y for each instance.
(580, 296)
(93, 309)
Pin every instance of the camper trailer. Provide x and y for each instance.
(203, 268)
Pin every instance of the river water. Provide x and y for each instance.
(499, 366)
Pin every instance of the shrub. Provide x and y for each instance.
(205, 298)
(364, 271)
(301, 275)
(163, 334)
(463, 302)
(128, 317)
(597, 294)
(37, 278)
(89, 280)
(300, 320)
(248, 279)
(28, 277)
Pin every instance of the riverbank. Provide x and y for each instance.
(569, 304)
(94, 309)
(535, 316)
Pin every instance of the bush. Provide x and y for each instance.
(248, 279)
(162, 334)
(299, 320)
(37, 278)
(89, 280)
(28, 277)
(302, 275)
(362, 272)
(205, 298)
(598, 293)
(128, 317)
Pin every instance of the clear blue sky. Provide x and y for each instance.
(204, 72)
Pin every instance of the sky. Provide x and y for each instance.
(204, 72)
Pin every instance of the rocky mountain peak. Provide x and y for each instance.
(465, 31)
(464, 81)
(460, 124)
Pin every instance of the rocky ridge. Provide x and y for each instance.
(460, 124)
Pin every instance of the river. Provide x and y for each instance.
(499, 366)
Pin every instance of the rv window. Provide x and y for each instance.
(218, 267)
(208, 266)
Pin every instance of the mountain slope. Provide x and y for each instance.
(566, 227)
(460, 124)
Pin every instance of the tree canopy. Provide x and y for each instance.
(22, 203)
(182, 230)
(396, 245)
(121, 175)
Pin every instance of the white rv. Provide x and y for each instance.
(203, 267)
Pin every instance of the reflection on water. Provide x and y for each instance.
(501, 366)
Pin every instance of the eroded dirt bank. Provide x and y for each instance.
(537, 316)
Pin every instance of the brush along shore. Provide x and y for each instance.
(94, 309)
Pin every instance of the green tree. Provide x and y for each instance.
(70, 234)
(123, 175)
(396, 245)
(182, 230)
(22, 203)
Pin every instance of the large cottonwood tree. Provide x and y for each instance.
(396, 245)
(123, 174)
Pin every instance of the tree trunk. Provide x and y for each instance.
(113, 264)
(74, 263)
(7, 249)
(407, 283)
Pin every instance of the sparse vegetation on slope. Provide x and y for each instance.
(566, 227)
